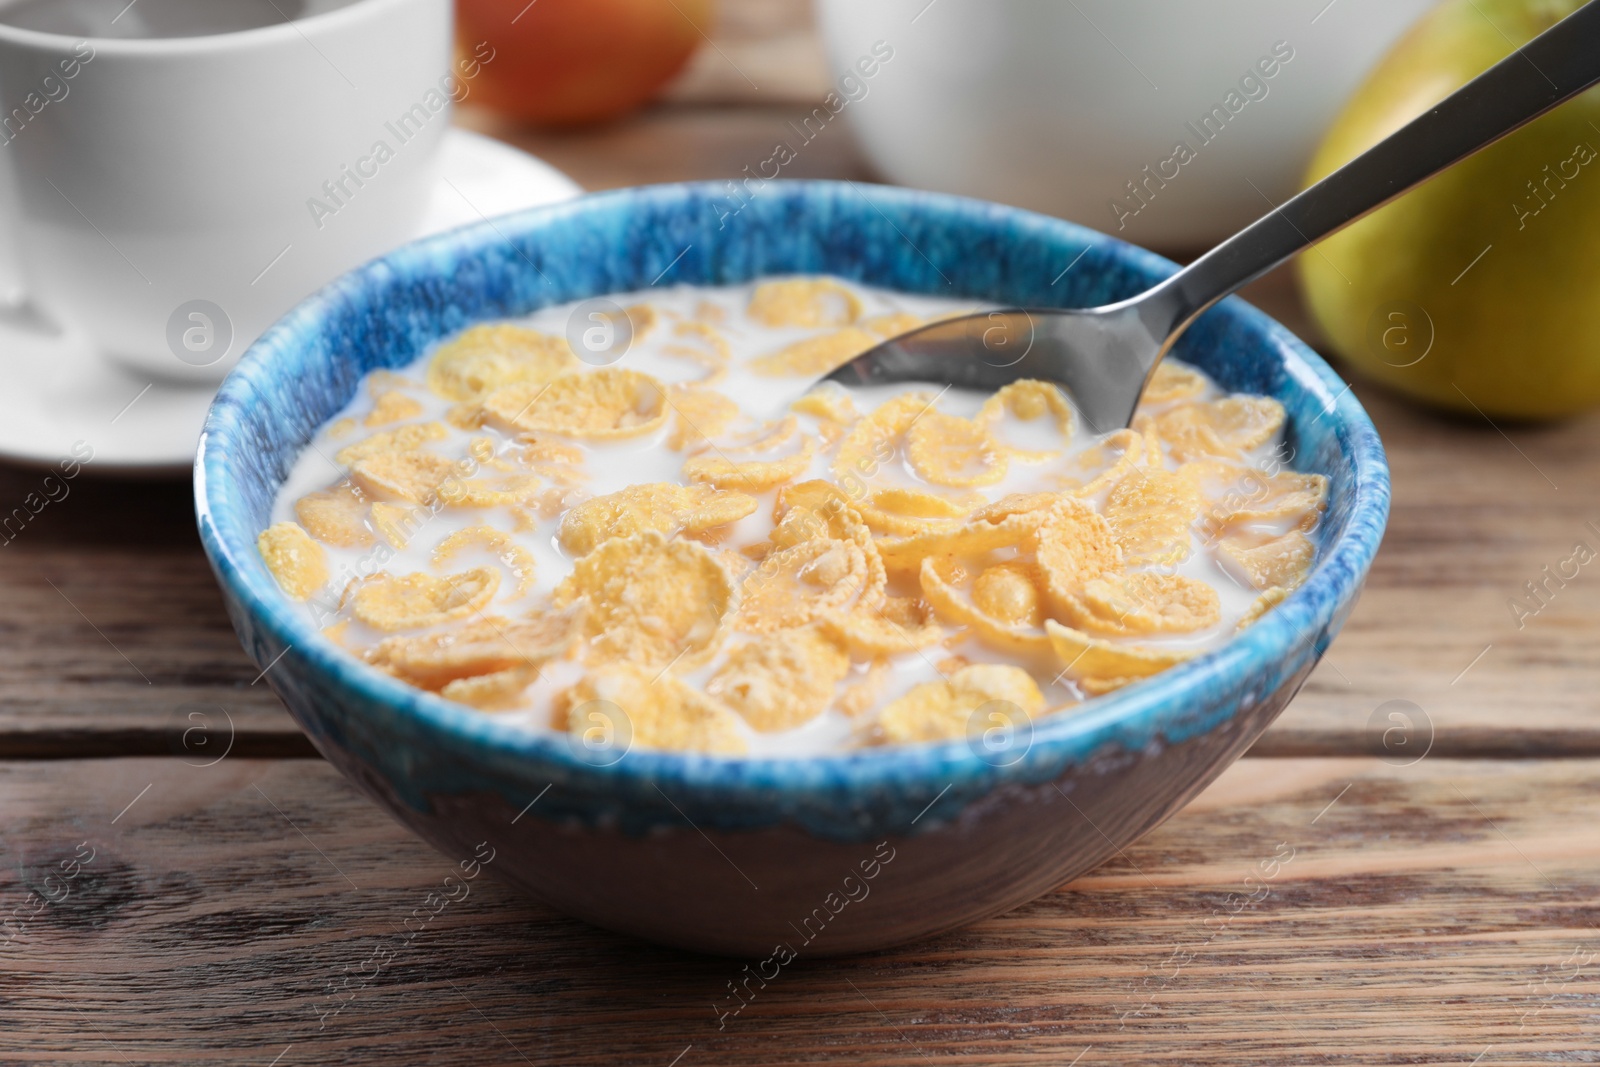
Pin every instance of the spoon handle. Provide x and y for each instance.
(1553, 67)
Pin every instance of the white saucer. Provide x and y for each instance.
(59, 390)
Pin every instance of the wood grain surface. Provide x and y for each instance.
(1300, 911)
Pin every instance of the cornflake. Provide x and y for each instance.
(898, 625)
(781, 680)
(1268, 560)
(516, 559)
(296, 561)
(653, 601)
(414, 477)
(621, 706)
(810, 302)
(1083, 656)
(936, 711)
(602, 404)
(1149, 513)
(942, 579)
(335, 516)
(405, 439)
(795, 585)
(816, 356)
(949, 450)
(408, 602)
(1148, 602)
(697, 416)
(1074, 545)
(660, 506)
(487, 646)
(392, 407)
(1224, 428)
(1027, 401)
(492, 356)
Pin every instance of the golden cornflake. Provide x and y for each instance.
(912, 511)
(389, 602)
(1007, 523)
(893, 324)
(697, 416)
(397, 523)
(1150, 512)
(1072, 546)
(1148, 602)
(1268, 560)
(1171, 381)
(949, 450)
(622, 706)
(491, 692)
(1094, 470)
(793, 586)
(816, 356)
(392, 407)
(871, 442)
(1027, 400)
(507, 491)
(662, 506)
(819, 510)
(1084, 656)
(1265, 498)
(494, 355)
(485, 646)
(938, 711)
(941, 576)
(653, 601)
(410, 476)
(1010, 594)
(535, 450)
(860, 697)
(808, 302)
(782, 680)
(335, 516)
(1099, 687)
(713, 352)
(898, 625)
(753, 475)
(1262, 604)
(829, 401)
(599, 404)
(403, 439)
(295, 560)
(515, 558)
(1225, 428)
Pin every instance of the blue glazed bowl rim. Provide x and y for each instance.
(1152, 711)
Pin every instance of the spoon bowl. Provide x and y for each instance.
(1099, 356)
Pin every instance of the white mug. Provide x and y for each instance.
(171, 196)
(1078, 109)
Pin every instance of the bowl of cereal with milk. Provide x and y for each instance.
(548, 536)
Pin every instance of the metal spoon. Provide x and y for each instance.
(1103, 356)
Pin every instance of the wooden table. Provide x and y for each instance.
(188, 881)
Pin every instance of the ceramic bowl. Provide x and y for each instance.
(1058, 107)
(760, 857)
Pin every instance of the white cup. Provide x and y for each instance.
(172, 196)
(1068, 108)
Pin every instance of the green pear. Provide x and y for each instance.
(1479, 289)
